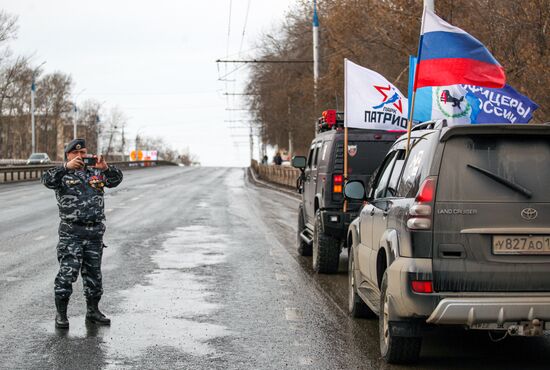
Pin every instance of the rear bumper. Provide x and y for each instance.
(472, 311)
(491, 311)
(336, 222)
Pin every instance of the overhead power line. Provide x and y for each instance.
(244, 27)
(263, 61)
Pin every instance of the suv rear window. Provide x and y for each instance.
(476, 168)
(368, 155)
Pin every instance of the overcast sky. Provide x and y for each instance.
(155, 60)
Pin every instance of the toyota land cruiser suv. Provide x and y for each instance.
(322, 223)
(457, 232)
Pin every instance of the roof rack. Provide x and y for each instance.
(431, 125)
(330, 120)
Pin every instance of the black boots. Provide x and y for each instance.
(93, 314)
(61, 321)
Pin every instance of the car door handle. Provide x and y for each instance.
(385, 213)
(372, 212)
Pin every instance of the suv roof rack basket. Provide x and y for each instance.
(330, 120)
(431, 125)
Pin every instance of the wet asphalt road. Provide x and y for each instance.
(200, 273)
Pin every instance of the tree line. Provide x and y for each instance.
(56, 111)
(380, 35)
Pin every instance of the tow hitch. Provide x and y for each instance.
(527, 329)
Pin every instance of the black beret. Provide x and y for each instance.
(76, 144)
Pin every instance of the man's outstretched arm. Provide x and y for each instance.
(51, 178)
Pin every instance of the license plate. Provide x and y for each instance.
(521, 244)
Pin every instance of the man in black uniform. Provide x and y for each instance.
(79, 191)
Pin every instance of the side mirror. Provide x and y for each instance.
(354, 190)
(299, 162)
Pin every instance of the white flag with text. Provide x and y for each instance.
(371, 101)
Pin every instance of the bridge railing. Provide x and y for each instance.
(34, 172)
(281, 175)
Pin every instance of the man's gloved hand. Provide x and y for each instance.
(75, 164)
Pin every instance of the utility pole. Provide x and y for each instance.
(74, 119)
(33, 135)
(315, 57)
(136, 146)
(97, 121)
(76, 113)
(290, 146)
(251, 144)
(33, 91)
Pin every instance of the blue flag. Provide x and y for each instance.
(504, 105)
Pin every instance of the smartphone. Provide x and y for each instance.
(89, 161)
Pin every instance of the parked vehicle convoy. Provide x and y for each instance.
(322, 223)
(39, 158)
(457, 232)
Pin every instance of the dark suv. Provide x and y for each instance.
(455, 233)
(322, 223)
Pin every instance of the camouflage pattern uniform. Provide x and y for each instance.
(79, 196)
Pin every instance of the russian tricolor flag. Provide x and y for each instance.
(449, 56)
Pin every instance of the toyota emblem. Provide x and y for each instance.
(529, 214)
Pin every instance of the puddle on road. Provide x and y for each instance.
(172, 307)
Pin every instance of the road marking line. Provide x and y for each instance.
(292, 314)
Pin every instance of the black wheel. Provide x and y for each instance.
(356, 307)
(326, 249)
(395, 350)
(304, 249)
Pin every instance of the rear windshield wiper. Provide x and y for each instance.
(520, 189)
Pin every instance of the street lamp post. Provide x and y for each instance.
(33, 90)
(137, 141)
(76, 113)
(97, 122)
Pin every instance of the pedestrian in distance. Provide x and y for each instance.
(79, 187)
(277, 160)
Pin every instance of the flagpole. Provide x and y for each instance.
(346, 111)
(411, 114)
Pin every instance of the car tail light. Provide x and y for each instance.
(422, 286)
(337, 183)
(427, 191)
(420, 213)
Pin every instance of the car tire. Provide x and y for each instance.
(326, 249)
(304, 249)
(394, 349)
(356, 307)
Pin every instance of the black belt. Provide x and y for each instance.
(80, 223)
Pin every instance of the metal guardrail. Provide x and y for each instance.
(282, 175)
(34, 172)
